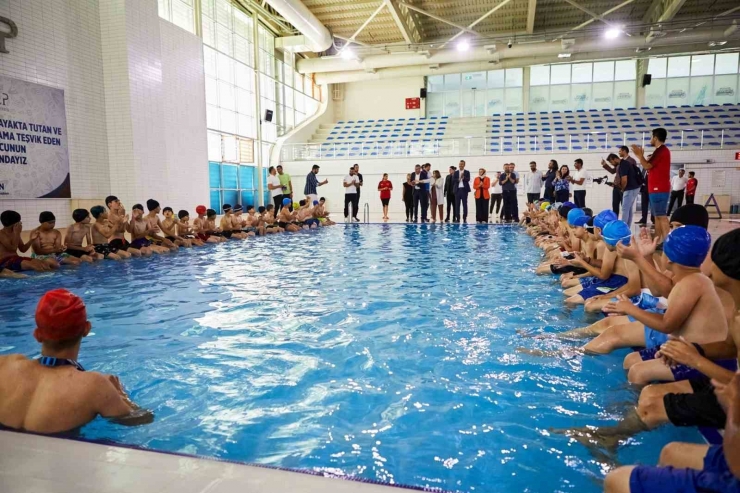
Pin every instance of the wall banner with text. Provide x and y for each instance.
(34, 161)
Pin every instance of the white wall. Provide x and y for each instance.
(598, 197)
(380, 99)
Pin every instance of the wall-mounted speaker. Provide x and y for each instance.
(268, 115)
(646, 80)
(423, 92)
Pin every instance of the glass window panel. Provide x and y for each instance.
(603, 71)
(468, 99)
(655, 94)
(726, 63)
(229, 197)
(582, 72)
(725, 89)
(231, 152)
(298, 82)
(207, 7)
(224, 41)
(678, 90)
(435, 104)
(701, 91)
(182, 16)
(209, 61)
(242, 24)
(452, 102)
(212, 117)
(225, 68)
(289, 118)
(474, 80)
(245, 102)
(539, 75)
(223, 13)
(559, 98)
(228, 121)
(625, 70)
(580, 95)
(513, 99)
(288, 93)
(248, 196)
(657, 67)
(496, 79)
(560, 74)
(215, 200)
(246, 178)
(495, 101)
(312, 106)
(164, 9)
(214, 147)
(435, 83)
(230, 175)
(624, 94)
(214, 175)
(299, 100)
(702, 65)
(307, 81)
(242, 50)
(289, 75)
(226, 97)
(211, 91)
(452, 82)
(245, 125)
(279, 75)
(602, 93)
(539, 97)
(244, 77)
(679, 66)
(209, 31)
(514, 77)
(246, 151)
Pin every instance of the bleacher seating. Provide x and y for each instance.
(707, 127)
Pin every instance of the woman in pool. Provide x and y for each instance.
(385, 187)
(561, 184)
(438, 196)
(408, 198)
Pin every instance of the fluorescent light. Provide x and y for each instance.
(463, 45)
(612, 33)
(347, 54)
(564, 55)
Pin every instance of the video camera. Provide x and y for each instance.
(604, 181)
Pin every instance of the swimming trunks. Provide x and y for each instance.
(653, 338)
(683, 372)
(75, 253)
(227, 234)
(155, 240)
(119, 244)
(250, 229)
(58, 257)
(53, 362)
(322, 219)
(310, 222)
(171, 238)
(203, 236)
(283, 224)
(698, 409)
(715, 477)
(105, 249)
(12, 262)
(140, 243)
(599, 287)
(565, 269)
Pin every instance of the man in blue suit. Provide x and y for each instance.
(419, 179)
(461, 185)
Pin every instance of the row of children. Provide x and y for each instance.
(676, 305)
(85, 241)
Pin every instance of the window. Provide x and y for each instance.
(178, 12)
(696, 80)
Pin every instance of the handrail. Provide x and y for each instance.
(500, 144)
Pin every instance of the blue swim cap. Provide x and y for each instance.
(687, 245)
(580, 221)
(570, 204)
(574, 214)
(315, 202)
(287, 201)
(603, 218)
(616, 231)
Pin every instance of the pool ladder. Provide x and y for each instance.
(366, 213)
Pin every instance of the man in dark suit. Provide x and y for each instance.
(450, 193)
(419, 178)
(461, 184)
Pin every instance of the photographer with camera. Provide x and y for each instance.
(562, 184)
(627, 181)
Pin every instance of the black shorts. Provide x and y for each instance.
(119, 244)
(171, 238)
(564, 269)
(385, 201)
(75, 253)
(105, 249)
(698, 409)
(283, 224)
(226, 234)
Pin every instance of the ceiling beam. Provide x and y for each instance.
(593, 15)
(438, 18)
(363, 26)
(475, 22)
(406, 23)
(662, 11)
(593, 19)
(530, 16)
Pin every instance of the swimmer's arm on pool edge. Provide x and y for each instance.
(113, 403)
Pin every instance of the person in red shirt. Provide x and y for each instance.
(385, 188)
(659, 179)
(691, 188)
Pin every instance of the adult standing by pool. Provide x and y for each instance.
(562, 184)
(312, 183)
(508, 181)
(421, 197)
(461, 184)
(449, 192)
(678, 188)
(408, 198)
(496, 195)
(275, 188)
(351, 198)
(359, 182)
(286, 184)
(578, 180)
(385, 188)
(481, 184)
(552, 170)
(534, 183)
(438, 196)
(658, 179)
(691, 185)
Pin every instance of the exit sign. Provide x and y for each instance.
(737, 156)
(413, 103)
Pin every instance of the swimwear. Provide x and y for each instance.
(698, 409)
(249, 229)
(227, 234)
(75, 253)
(283, 224)
(565, 269)
(310, 222)
(683, 372)
(105, 249)
(599, 287)
(203, 236)
(12, 262)
(154, 240)
(322, 219)
(653, 338)
(119, 244)
(140, 243)
(171, 238)
(53, 362)
(716, 477)
(58, 257)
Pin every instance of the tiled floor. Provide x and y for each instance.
(36, 464)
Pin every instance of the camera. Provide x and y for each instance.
(603, 180)
(510, 44)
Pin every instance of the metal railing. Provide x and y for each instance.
(495, 145)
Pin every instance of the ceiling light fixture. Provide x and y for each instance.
(612, 33)
(347, 54)
(564, 55)
(463, 45)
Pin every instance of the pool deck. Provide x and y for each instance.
(38, 464)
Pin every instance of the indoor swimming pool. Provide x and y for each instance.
(384, 352)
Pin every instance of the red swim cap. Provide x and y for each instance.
(201, 209)
(60, 316)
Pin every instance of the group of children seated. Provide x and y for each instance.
(105, 238)
(675, 302)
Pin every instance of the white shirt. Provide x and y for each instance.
(577, 175)
(496, 188)
(534, 182)
(678, 183)
(351, 179)
(274, 180)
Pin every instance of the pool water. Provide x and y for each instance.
(386, 352)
